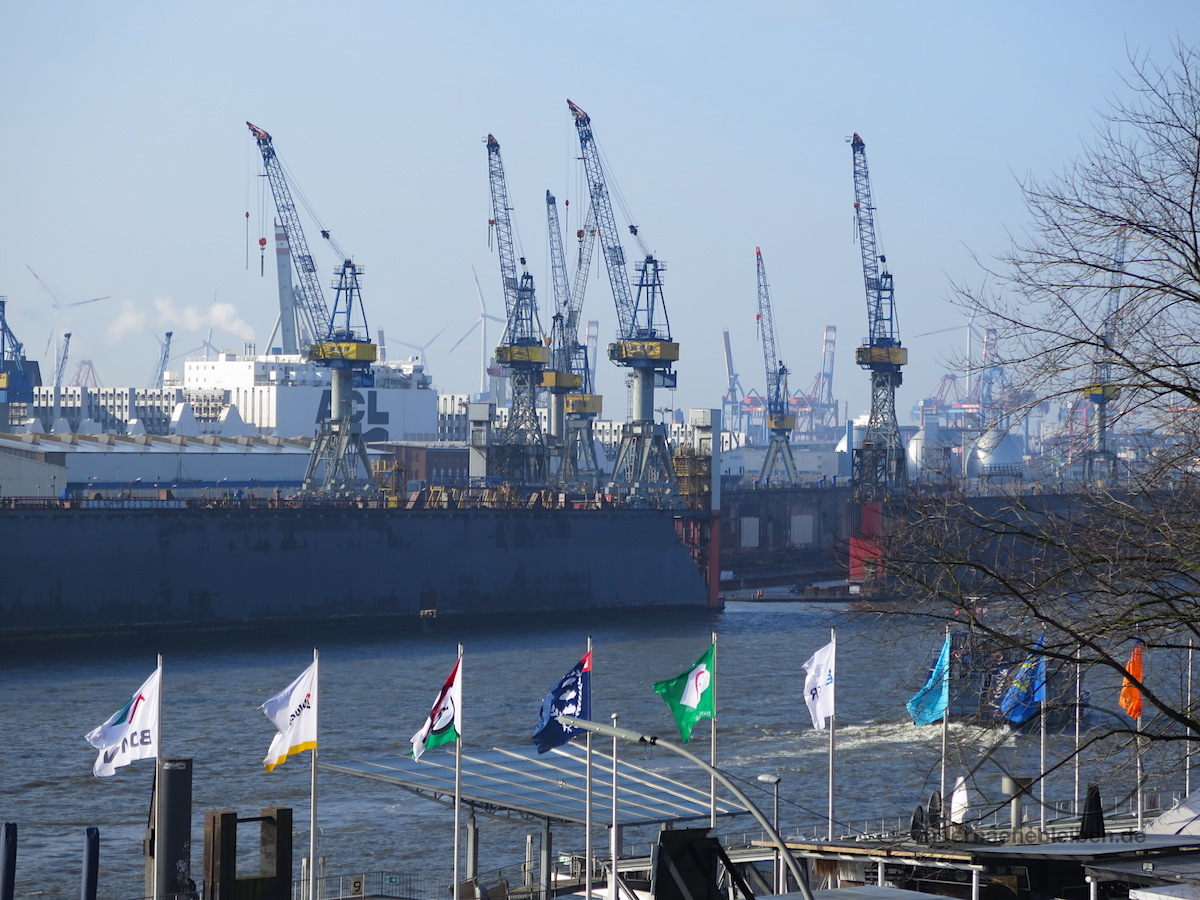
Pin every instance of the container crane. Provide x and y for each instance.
(780, 420)
(1100, 462)
(569, 378)
(59, 369)
(643, 466)
(879, 465)
(335, 338)
(521, 454)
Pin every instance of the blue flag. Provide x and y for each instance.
(932, 701)
(572, 696)
(1028, 689)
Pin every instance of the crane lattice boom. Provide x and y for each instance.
(312, 301)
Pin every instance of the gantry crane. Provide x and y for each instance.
(643, 467)
(520, 455)
(336, 339)
(879, 466)
(575, 404)
(1100, 462)
(59, 369)
(780, 420)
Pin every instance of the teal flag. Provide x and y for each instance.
(932, 701)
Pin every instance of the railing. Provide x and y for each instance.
(374, 884)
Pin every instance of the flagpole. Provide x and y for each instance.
(614, 844)
(712, 781)
(158, 810)
(1138, 738)
(312, 790)
(1079, 717)
(832, 729)
(587, 808)
(1187, 752)
(1042, 757)
(945, 724)
(457, 780)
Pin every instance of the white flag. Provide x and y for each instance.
(818, 684)
(443, 725)
(959, 802)
(131, 733)
(294, 712)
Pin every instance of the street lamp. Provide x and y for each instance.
(774, 780)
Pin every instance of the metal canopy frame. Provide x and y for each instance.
(551, 788)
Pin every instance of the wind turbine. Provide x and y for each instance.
(421, 348)
(57, 307)
(481, 323)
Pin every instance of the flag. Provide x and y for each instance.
(572, 696)
(1131, 694)
(131, 733)
(444, 722)
(1027, 691)
(931, 702)
(294, 712)
(690, 695)
(818, 684)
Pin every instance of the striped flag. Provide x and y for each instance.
(443, 725)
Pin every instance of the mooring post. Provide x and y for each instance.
(91, 863)
(8, 861)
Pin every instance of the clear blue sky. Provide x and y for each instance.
(127, 168)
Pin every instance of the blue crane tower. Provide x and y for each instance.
(18, 375)
(520, 455)
(780, 420)
(334, 338)
(878, 466)
(643, 468)
(574, 402)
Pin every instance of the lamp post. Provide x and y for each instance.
(774, 780)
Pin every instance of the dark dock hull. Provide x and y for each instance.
(110, 570)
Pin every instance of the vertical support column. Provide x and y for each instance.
(220, 855)
(172, 850)
(472, 847)
(275, 849)
(91, 864)
(546, 861)
(8, 857)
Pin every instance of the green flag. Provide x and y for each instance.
(690, 696)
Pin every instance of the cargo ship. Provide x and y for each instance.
(107, 566)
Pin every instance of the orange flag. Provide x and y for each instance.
(1131, 695)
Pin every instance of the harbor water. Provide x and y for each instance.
(376, 688)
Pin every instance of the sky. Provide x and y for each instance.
(127, 170)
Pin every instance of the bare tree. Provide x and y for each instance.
(1103, 286)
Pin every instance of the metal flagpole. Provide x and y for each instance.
(712, 782)
(158, 805)
(457, 777)
(614, 843)
(1079, 717)
(945, 728)
(1138, 738)
(312, 803)
(832, 728)
(587, 805)
(1187, 753)
(1042, 756)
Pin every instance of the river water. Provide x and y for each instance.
(376, 687)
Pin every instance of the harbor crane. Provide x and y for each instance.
(780, 420)
(1100, 462)
(160, 368)
(879, 465)
(336, 338)
(520, 456)
(18, 375)
(575, 403)
(59, 369)
(643, 467)
(731, 402)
